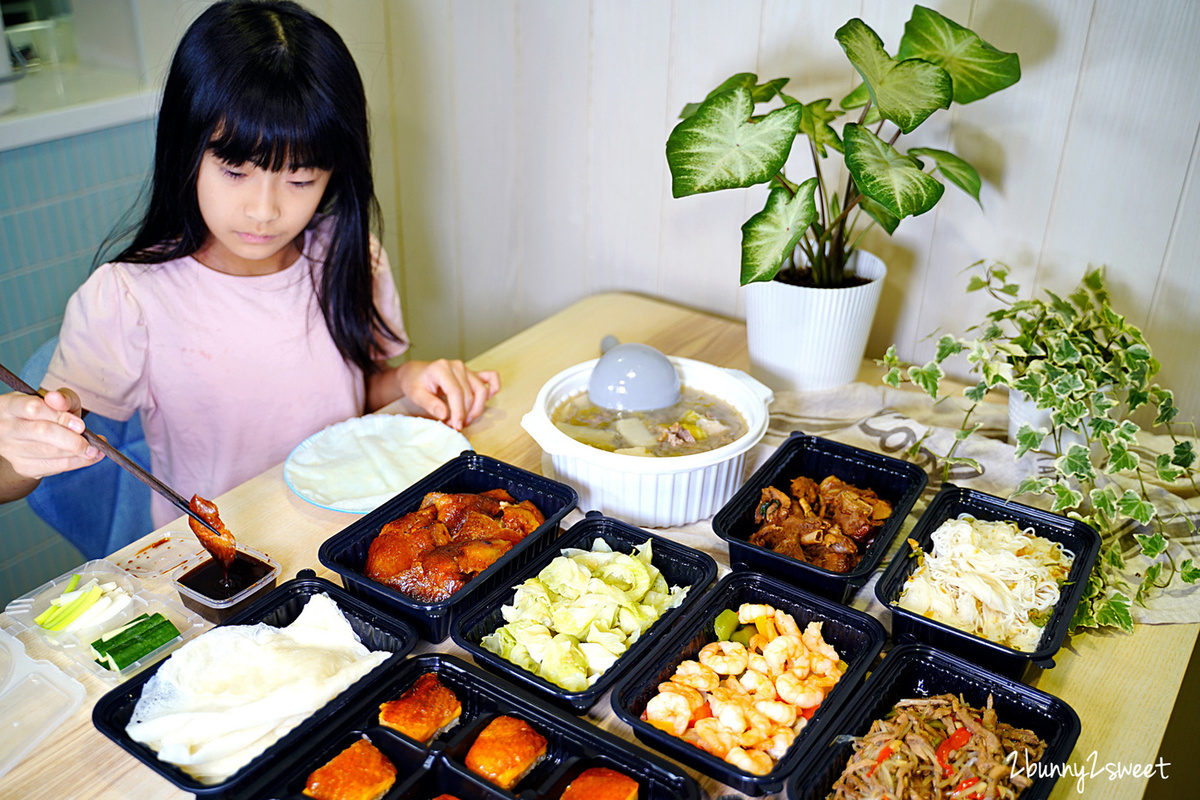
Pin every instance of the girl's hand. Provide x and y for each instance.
(446, 389)
(41, 436)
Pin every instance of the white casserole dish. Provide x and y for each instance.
(651, 492)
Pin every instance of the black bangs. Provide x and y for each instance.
(277, 130)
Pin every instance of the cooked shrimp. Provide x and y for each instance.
(786, 623)
(816, 643)
(777, 744)
(781, 651)
(799, 691)
(714, 737)
(724, 658)
(748, 612)
(756, 684)
(782, 714)
(670, 712)
(756, 762)
(696, 675)
(695, 699)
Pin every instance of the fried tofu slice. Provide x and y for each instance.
(505, 751)
(426, 709)
(360, 772)
(601, 783)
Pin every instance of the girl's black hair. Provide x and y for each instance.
(269, 83)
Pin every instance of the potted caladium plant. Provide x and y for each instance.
(808, 233)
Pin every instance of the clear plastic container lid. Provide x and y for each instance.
(77, 643)
(35, 698)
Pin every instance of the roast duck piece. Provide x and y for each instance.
(224, 547)
(827, 525)
(431, 553)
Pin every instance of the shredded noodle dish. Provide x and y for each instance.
(939, 747)
(991, 579)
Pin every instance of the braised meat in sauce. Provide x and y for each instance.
(433, 552)
(828, 525)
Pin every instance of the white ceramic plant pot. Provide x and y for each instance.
(804, 338)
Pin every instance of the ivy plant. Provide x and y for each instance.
(724, 142)
(1076, 357)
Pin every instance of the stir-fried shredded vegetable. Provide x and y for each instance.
(939, 747)
(990, 579)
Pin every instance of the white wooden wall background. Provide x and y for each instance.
(520, 158)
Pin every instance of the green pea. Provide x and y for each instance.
(725, 623)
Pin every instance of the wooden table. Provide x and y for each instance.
(1122, 686)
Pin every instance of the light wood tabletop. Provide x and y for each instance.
(1122, 686)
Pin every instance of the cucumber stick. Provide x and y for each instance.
(135, 642)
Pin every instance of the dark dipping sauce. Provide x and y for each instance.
(209, 580)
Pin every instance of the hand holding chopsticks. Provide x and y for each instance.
(116, 455)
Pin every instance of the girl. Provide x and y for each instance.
(253, 306)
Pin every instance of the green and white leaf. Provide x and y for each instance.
(928, 377)
(890, 178)
(718, 147)
(884, 218)
(1115, 612)
(1189, 572)
(1132, 505)
(772, 233)
(955, 169)
(905, 91)
(746, 80)
(976, 68)
(814, 123)
(1153, 545)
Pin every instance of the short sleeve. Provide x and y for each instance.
(102, 346)
(387, 301)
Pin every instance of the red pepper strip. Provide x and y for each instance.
(883, 756)
(967, 784)
(953, 742)
(807, 713)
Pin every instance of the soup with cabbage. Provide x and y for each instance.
(697, 423)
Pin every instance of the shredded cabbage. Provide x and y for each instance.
(582, 612)
(990, 579)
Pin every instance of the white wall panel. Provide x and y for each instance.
(701, 235)
(552, 131)
(486, 168)
(529, 151)
(630, 52)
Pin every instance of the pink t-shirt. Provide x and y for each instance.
(229, 373)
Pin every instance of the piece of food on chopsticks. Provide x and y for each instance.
(937, 747)
(745, 704)
(585, 608)
(828, 525)
(425, 710)
(224, 697)
(130, 643)
(360, 772)
(506, 751)
(433, 552)
(91, 604)
(224, 547)
(601, 783)
(990, 579)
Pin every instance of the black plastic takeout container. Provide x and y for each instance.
(680, 566)
(428, 769)
(856, 636)
(376, 630)
(898, 482)
(346, 552)
(951, 502)
(917, 670)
